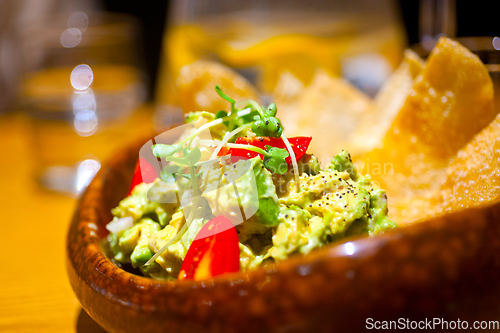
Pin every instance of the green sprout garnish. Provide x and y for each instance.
(265, 122)
(268, 124)
(162, 151)
(262, 123)
(189, 160)
(275, 161)
(219, 91)
(274, 158)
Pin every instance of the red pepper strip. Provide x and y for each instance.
(144, 173)
(299, 146)
(214, 251)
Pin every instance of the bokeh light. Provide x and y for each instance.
(71, 37)
(82, 77)
(78, 20)
(496, 43)
(85, 122)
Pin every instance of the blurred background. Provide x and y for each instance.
(146, 65)
(81, 78)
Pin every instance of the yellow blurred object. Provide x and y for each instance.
(451, 101)
(355, 121)
(473, 176)
(429, 137)
(263, 53)
(290, 53)
(55, 82)
(196, 82)
(329, 110)
(387, 103)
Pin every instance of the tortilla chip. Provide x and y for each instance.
(329, 110)
(387, 103)
(451, 101)
(286, 96)
(474, 176)
(195, 86)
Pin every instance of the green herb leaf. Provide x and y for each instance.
(167, 177)
(271, 110)
(162, 150)
(276, 159)
(170, 169)
(220, 114)
(274, 127)
(268, 126)
(178, 160)
(252, 116)
(259, 128)
(193, 156)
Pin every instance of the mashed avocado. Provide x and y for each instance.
(280, 200)
(332, 203)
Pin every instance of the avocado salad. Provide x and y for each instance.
(245, 197)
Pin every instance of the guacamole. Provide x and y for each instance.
(280, 200)
(334, 202)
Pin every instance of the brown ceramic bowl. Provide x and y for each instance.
(447, 267)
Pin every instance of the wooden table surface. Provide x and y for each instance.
(35, 294)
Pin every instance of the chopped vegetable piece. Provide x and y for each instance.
(144, 173)
(214, 251)
(299, 146)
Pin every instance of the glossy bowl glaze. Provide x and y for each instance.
(447, 267)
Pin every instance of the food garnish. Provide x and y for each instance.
(247, 197)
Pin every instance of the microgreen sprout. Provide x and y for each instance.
(163, 150)
(262, 123)
(268, 124)
(189, 159)
(219, 91)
